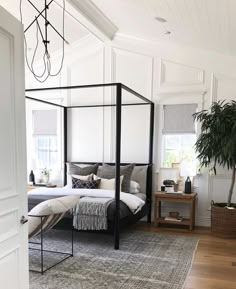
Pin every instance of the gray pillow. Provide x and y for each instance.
(108, 172)
(82, 171)
(139, 175)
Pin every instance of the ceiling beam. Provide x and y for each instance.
(95, 16)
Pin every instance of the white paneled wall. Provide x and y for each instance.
(133, 70)
(175, 74)
(165, 73)
(85, 134)
(223, 87)
(135, 134)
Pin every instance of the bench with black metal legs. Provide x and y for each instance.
(44, 217)
(42, 249)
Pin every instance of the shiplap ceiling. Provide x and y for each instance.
(206, 24)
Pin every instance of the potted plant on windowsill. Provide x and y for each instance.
(46, 175)
(216, 145)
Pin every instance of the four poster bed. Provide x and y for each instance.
(123, 189)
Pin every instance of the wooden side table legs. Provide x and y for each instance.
(192, 215)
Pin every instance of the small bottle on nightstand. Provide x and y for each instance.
(188, 186)
(31, 177)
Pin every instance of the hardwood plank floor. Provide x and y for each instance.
(214, 265)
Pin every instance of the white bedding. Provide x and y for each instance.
(134, 203)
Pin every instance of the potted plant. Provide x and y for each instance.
(216, 146)
(46, 175)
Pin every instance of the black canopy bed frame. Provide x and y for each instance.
(118, 108)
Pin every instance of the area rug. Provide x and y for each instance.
(145, 260)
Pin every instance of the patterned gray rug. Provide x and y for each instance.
(145, 260)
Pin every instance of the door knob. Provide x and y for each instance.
(23, 220)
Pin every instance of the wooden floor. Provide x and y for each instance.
(214, 265)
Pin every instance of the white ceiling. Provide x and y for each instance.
(207, 24)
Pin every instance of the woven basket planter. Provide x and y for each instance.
(223, 222)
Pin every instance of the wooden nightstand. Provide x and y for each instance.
(32, 187)
(175, 198)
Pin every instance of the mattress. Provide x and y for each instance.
(34, 200)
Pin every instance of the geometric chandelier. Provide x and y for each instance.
(42, 32)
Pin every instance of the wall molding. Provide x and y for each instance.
(163, 82)
(211, 184)
(118, 51)
(216, 79)
(181, 97)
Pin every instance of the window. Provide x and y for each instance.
(179, 134)
(178, 148)
(45, 138)
(46, 151)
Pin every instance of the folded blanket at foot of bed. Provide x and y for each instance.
(91, 214)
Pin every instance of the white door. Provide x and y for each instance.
(13, 204)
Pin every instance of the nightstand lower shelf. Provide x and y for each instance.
(162, 220)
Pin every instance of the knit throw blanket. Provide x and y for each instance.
(91, 214)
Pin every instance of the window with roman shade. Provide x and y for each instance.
(179, 134)
(45, 122)
(178, 118)
(45, 136)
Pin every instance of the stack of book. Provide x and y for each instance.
(179, 219)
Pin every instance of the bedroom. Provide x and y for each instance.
(193, 64)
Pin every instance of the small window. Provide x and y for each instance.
(179, 134)
(45, 138)
(46, 151)
(178, 148)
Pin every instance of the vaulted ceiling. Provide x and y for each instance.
(207, 24)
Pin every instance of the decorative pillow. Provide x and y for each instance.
(53, 211)
(73, 169)
(108, 172)
(106, 184)
(80, 184)
(83, 178)
(140, 175)
(134, 187)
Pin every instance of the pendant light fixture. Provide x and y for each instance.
(42, 32)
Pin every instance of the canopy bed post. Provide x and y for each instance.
(65, 141)
(117, 175)
(150, 160)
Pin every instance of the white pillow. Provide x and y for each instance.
(107, 184)
(134, 187)
(83, 178)
(50, 208)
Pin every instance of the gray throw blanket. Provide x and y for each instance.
(91, 213)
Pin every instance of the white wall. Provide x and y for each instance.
(169, 74)
(164, 73)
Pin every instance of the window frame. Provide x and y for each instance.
(30, 107)
(171, 99)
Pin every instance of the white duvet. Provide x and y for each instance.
(134, 203)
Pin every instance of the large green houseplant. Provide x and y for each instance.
(216, 146)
